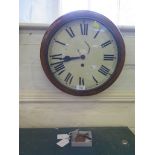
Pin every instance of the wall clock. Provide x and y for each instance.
(82, 53)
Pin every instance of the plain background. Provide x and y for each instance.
(145, 77)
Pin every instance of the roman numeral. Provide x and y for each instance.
(84, 29)
(69, 78)
(109, 57)
(95, 79)
(81, 81)
(106, 43)
(104, 70)
(61, 72)
(56, 63)
(96, 34)
(59, 42)
(70, 32)
(59, 67)
(56, 56)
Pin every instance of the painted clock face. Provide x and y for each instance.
(82, 56)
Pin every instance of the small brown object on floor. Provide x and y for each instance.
(81, 137)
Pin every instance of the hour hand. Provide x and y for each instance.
(68, 58)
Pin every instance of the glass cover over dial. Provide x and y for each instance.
(82, 54)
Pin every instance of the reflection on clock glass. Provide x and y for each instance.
(82, 54)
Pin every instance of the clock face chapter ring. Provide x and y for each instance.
(82, 53)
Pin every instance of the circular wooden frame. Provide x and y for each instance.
(53, 28)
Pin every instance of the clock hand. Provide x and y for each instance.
(88, 47)
(68, 58)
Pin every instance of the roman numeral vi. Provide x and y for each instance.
(81, 81)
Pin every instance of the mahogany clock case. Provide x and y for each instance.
(54, 27)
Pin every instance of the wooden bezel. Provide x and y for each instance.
(54, 27)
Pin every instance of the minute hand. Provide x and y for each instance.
(68, 58)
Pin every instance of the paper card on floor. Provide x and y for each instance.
(62, 136)
(63, 142)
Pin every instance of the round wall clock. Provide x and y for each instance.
(82, 53)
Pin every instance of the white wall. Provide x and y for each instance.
(43, 105)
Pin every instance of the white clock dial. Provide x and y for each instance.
(82, 54)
